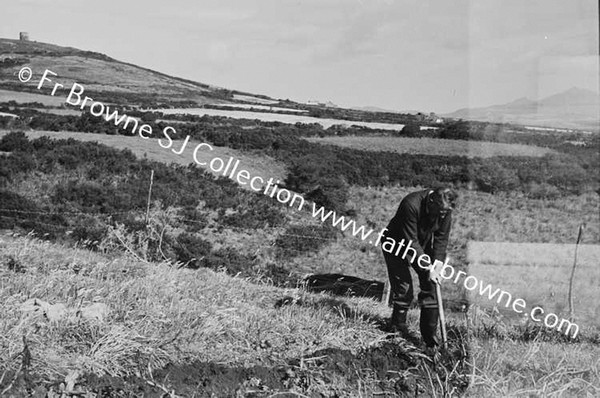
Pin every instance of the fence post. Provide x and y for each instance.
(149, 196)
(571, 309)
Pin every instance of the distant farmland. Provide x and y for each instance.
(433, 146)
(22, 97)
(278, 117)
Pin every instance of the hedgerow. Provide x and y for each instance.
(570, 173)
(101, 196)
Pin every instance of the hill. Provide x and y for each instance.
(575, 108)
(103, 74)
(114, 81)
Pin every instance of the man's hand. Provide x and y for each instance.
(434, 276)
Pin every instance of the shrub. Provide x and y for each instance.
(492, 178)
(194, 219)
(90, 196)
(458, 130)
(411, 130)
(15, 208)
(228, 258)
(542, 191)
(17, 211)
(261, 215)
(191, 250)
(15, 141)
(278, 275)
(89, 230)
(318, 180)
(332, 193)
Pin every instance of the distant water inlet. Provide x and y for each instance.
(279, 117)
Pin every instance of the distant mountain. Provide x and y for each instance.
(574, 108)
(373, 109)
(384, 110)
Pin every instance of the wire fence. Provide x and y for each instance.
(133, 211)
(266, 249)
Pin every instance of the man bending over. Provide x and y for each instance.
(423, 221)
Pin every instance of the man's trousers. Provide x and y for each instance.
(402, 294)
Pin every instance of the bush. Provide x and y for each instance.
(15, 141)
(304, 173)
(278, 275)
(17, 211)
(332, 193)
(191, 250)
(458, 130)
(89, 230)
(14, 208)
(260, 215)
(194, 219)
(542, 191)
(228, 258)
(493, 178)
(317, 179)
(88, 195)
(564, 173)
(411, 130)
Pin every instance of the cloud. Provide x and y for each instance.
(401, 54)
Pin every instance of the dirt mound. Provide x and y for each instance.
(393, 368)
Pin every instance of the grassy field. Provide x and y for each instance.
(533, 254)
(20, 97)
(234, 334)
(432, 146)
(62, 112)
(155, 315)
(539, 274)
(502, 217)
(160, 329)
(479, 217)
(509, 368)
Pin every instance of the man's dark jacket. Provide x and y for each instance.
(412, 222)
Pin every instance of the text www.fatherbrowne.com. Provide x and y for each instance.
(448, 272)
(230, 169)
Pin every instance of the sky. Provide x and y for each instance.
(428, 56)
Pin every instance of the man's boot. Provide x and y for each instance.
(398, 320)
(428, 326)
